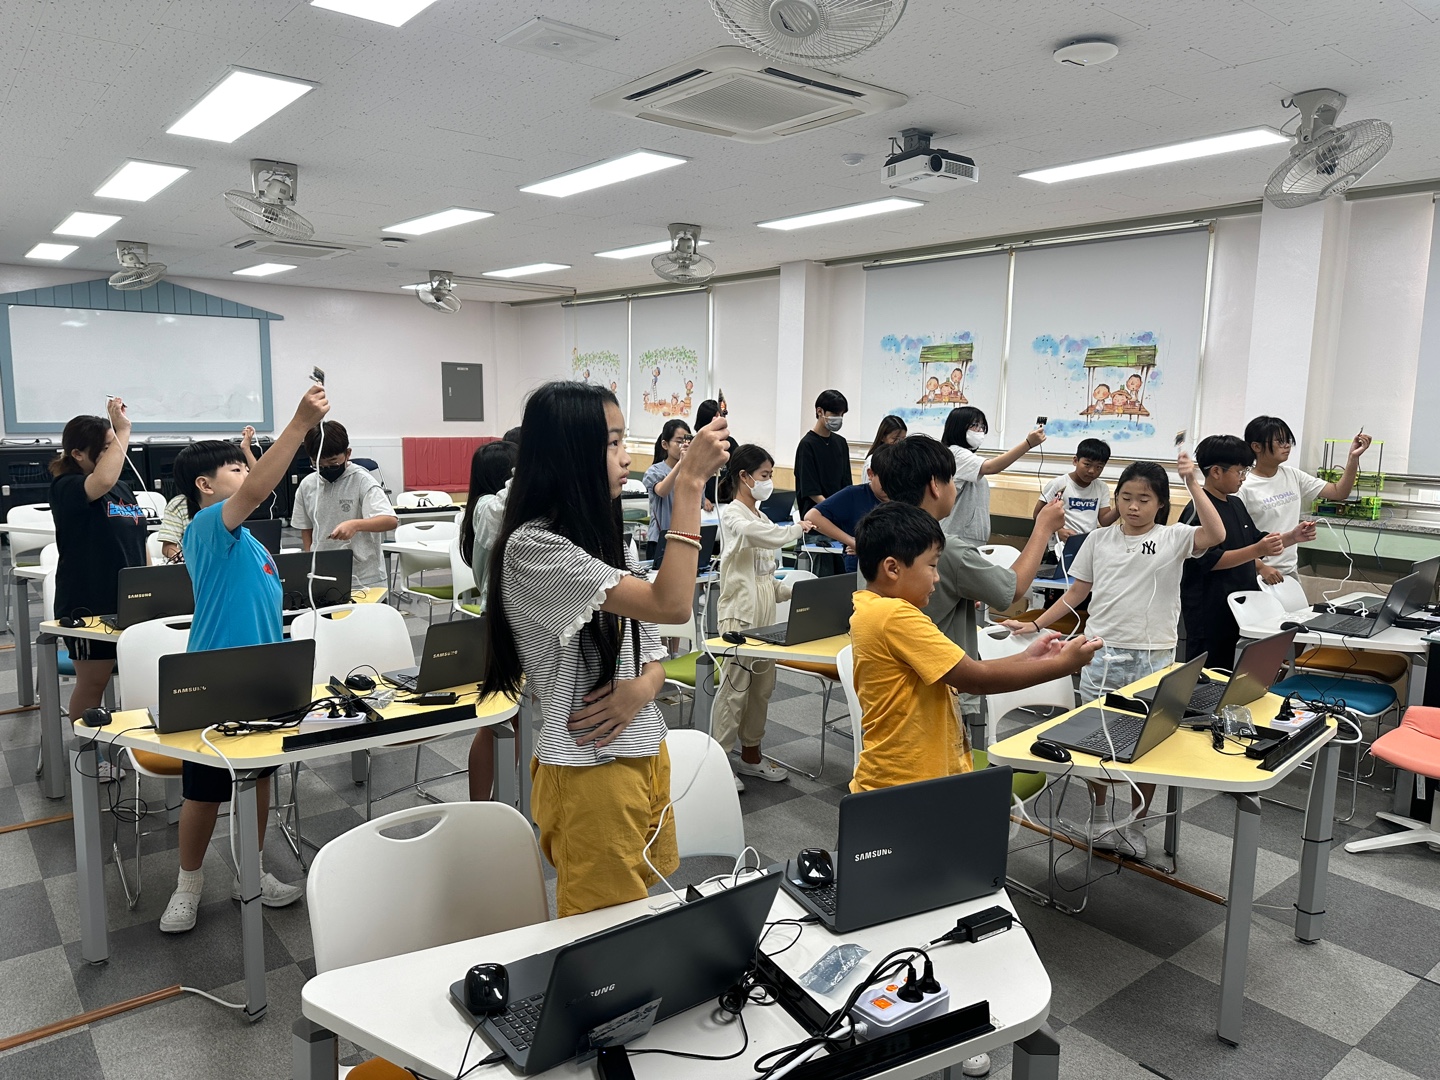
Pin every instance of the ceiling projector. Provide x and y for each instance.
(916, 166)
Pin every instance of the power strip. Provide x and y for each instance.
(883, 1011)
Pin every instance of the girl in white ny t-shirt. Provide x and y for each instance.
(1131, 573)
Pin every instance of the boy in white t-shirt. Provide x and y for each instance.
(1087, 497)
(1279, 495)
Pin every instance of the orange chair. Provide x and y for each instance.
(1414, 747)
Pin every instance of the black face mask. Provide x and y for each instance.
(331, 473)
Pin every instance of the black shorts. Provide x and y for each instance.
(205, 783)
(89, 649)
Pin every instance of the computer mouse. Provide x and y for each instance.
(70, 622)
(361, 683)
(1050, 751)
(97, 717)
(814, 868)
(487, 989)
(1292, 626)
(734, 637)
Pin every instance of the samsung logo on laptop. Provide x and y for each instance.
(188, 689)
(602, 990)
(138, 595)
(863, 855)
(442, 655)
(801, 610)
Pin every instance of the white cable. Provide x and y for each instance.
(212, 997)
(234, 783)
(1349, 569)
(645, 851)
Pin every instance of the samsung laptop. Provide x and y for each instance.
(294, 567)
(1132, 736)
(912, 848)
(454, 654)
(819, 608)
(1405, 595)
(1257, 670)
(152, 592)
(560, 1002)
(255, 682)
(267, 531)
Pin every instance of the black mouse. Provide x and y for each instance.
(362, 683)
(1050, 751)
(814, 868)
(487, 989)
(70, 622)
(1292, 626)
(734, 637)
(99, 716)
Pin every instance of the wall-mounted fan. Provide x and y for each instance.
(1325, 159)
(136, 270)
(809, 30)
(683, 262)
(439, 292)
(267, 207)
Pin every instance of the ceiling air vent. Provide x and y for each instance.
(292, 249)
(735, 94)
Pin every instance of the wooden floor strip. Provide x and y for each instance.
(38, 821)
(88, 1017)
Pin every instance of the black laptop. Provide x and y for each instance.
(819, 608)
(152, 592)
(1131, 735)
(1406, 595)
(671, 961)
(912, 848)
(255, 682)
(267, 531)
(778, 507)
(454, 654)
(294, 567)
(1257, 670)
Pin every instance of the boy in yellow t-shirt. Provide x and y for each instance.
(906, 670)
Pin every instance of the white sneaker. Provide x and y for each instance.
(979, 1065)
(1103, 834)
(180, 913)
(765, 770)
(1134, 844)
(739, 785)
(273, 891)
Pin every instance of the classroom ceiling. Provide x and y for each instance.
(434, 114)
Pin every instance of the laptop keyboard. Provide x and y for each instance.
(823, 898)
(404, 682)
(1206, 698)
(519, 1021)
(771, 635)
(1349, 625)
(1124, 733)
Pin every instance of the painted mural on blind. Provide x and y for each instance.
(599, 367)
(667, 378)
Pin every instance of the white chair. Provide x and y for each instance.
(845, 664)
(1057, 693)
(25, 546)
(999, 554)
(465, 592)
(138, 653)
(378, 890)
(1257, 614)
(152, 501)
(705, 803)
(414, 564)
(418, 500)
(1289, 592)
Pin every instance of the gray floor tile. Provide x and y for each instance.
(1368, 921)
(1323, 985)
(1166, 1021)
(35, 990)
(1412, 872)
(10, 811)
(1280, 827)
(64, 1058)
(26, 922)
(1358, 1065)
(17, 858)
(1410, 1036)
(20, 729)
(779, 831)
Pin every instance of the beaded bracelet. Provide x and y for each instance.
(681, 538)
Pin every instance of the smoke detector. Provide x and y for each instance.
(393, 241)
(1086, 53)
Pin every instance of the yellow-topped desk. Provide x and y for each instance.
(1187, 760)
(249, 755)
(820, 651)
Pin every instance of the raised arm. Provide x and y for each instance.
(1339, 490)
(1047, 522)
(269, 470)
(247, 438)
(1001, 462)
(111, 461)
(1212, 530)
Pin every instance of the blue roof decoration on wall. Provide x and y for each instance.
(165, 297)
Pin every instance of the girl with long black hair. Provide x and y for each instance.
(965, 431)
(572, 625)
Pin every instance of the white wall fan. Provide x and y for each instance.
(683, 262)
(809, 31)
(268, 206)
(1325, 160)
(136, 270)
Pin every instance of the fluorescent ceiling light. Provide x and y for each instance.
(263, 269)
(523, 271)
(841, 213)
(53, 252)
(389, 12)
(1161, 155)
(240, 101)
(603, 173)
(640, 249)
(83, 224)
(139, 181)
(442, 219)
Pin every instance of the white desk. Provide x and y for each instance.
(1394, 639)
(430, 513)
(399, 1007)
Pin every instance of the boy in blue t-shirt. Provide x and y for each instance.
(237, 603)
(838, 515)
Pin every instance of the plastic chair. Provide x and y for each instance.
(25, 546)
(705, 803)
(1413, 747)
(465, 591)
(417, 500)
(47, 607)
(1057, 693)
(153, 550)
(999, 554)
(152, 501)
(1289, 593)
(378, 890)
(681, 670)
(138, 653)
(414, 564)
(1258, 614)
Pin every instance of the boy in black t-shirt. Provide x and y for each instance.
(822, 460)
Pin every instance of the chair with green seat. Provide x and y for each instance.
(412, 565)
(680, 671)
(465, 593)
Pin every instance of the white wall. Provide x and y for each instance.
(747, 324)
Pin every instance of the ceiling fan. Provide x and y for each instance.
(808, 31)
(1326, 160)
(136, 270)
(683, 262)
(267, 207)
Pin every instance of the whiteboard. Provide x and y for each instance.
(670, 360)
(174, 371)
(1142, 301)
(910, 308)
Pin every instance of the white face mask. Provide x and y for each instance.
(976, 439)
(761, 490)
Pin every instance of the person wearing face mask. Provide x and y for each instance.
(822, 460)
(965, 432)
(344, 504)
(748, 595)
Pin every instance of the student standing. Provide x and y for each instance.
(177, 515)
(237, 603)
(965, 431)
(1131, 573)
(670, 447)
(891, 430)
(572, 625)
(1279, 496)
(748, 595)
(706, 411)
(99, 530)
(822, 460)
(344, 504)
(838, 516)
(1085, 495)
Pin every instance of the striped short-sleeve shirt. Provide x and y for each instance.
(551, 589)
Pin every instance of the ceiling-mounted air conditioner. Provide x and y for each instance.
(293, 249)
